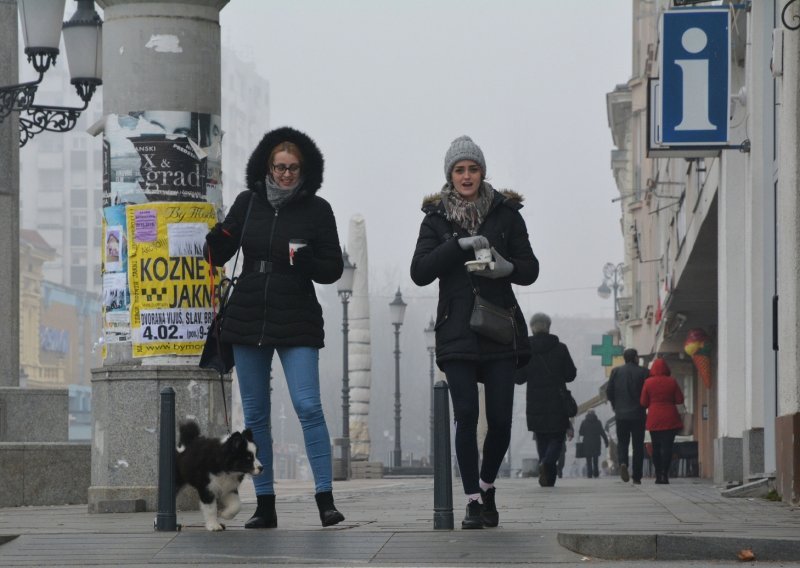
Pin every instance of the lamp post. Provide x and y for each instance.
(612, 281)
(430, 342)
(398, 311)
(41, 29)
(344, 288)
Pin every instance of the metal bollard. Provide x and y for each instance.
(166, 520)
(442, 472)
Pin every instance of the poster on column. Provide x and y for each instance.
(162, 156)
(170, 292)
(116, 294)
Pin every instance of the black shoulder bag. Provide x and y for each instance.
(217, 354)
(568, 403)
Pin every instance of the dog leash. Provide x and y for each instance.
(219, 341)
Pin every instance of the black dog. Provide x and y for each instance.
(215, 468)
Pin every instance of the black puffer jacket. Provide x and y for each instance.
(549, 370)
(438, 255)
(272, 303)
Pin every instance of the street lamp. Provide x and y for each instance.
(612, 281)
(41, 29)
(430, 343)
(344, 287)
(398, 311)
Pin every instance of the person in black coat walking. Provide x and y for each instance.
(274, 307)
(623, 392)
(547, 374)
(466, 216)
(591, 431)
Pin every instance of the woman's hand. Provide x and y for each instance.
(502, 267)
(475, 243)
(304, 261)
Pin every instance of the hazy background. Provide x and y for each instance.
(384, 87)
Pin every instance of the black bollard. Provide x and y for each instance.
(166, 519)
(442, 472)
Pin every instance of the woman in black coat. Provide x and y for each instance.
(466, 217)
(591, 431)
(547, 374)
(274, 306)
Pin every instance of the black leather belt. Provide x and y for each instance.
(265, 266)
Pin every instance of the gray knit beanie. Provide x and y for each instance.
(463, 148)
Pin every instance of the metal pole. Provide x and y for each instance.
(442, 472)
(431, 351)
(345, 391)
(166, 519)
(398, 453)
(9, 204)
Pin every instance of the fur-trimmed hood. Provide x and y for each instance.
(313, 162)
(506, 196)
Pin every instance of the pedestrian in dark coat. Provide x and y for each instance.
(591, 432)
(547, 374)
(274, 305)
(467, 216)
(623, 392)
(660, 396)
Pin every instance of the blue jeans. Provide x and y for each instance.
(301, 367)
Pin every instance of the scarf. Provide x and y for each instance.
(279, 196)
(467, 214)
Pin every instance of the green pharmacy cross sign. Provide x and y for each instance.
(607, 350)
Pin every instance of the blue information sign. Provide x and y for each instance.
(695, 77)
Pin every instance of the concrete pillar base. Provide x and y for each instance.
(125, 427)
(753, 454)
(727, 460)
(34, 415)
(787, 476)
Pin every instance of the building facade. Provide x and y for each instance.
(710, 249)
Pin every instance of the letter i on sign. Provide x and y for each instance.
(695, 83)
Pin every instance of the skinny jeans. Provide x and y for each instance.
(498, 380)
(301, 367)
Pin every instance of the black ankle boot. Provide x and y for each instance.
(489, 514)
(265, 516)
(327, 510)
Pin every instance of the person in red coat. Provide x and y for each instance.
(660, 395)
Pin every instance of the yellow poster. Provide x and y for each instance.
(168, 277)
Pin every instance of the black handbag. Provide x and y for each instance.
(492, 322)
(218, 354)
(568, 403)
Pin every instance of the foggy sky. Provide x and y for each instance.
(385, 86)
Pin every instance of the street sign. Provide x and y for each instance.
(607, 350)
(695, 77)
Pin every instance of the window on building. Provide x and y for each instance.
(78, 198)
(77, 275)
(77, 160)
(51, 181)
(78, 237)
(78, 219)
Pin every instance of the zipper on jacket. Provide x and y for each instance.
(269, 275)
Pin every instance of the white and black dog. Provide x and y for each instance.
(215, 468)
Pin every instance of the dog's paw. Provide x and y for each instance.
(215, 526)
(228, 514)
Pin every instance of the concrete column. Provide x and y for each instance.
(788, 206)
(760, 245)
(9, 204)
(157, 56)
(732, 298)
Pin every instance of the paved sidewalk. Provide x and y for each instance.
(389, 522)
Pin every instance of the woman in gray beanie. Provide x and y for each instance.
(464, 221)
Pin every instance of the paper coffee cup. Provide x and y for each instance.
(484, 255)
(295, 244)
